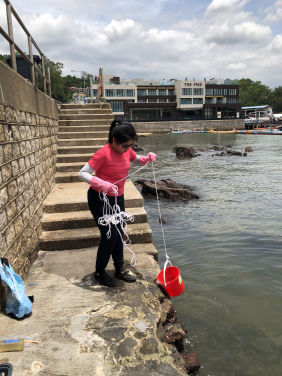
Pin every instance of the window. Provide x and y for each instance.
(170, 92)
(152, 100)
(198, 91)
(232, 100)
(130, 92)
(171, 100)
(224, 91)
(130, 101)
(94, 92)
(120, 93)
(109, 93)
(117, 106)
(185, 100)
(209, 91)
(162, 92)
(141, 100)
(141, 92)
(197, 100)
(217, 91)
(152, 92)
(209, 112)
(162, 100)
(186, 91)
(232, 91)
(209, 100)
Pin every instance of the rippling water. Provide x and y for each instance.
(228, 247)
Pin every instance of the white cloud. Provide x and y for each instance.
(228, 33)
(154, 39)
(274, 12)
(219, 6)
(237, 67)
(276, 44)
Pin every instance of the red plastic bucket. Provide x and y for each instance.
(174, 284)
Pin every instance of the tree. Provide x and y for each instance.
(3, 58)
(60, 91)
(275, 100)
(253, 93)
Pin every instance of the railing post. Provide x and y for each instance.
(49, 79)
(31, 58)
(11, 35)
(91, 93)
(43, 71)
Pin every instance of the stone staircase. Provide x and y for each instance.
(67, 222)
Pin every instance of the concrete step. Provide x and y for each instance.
(82, 219)
(72, 197)
(82, 142)
(67, 177)
(68, 158)
(70, 167)
(85, 106)
(85, 128)
(86, 111)
(79, 123)
(89, 237)
(76, 135)
(79, 149)
(86, 117)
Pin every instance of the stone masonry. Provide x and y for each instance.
(28, 139)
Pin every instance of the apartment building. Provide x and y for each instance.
(138, 99)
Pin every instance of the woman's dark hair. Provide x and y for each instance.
(122, 131)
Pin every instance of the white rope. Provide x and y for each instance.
(160, 216)
(113, 215)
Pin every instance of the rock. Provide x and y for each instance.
(218, 148)
(167, 189)
(161, 220)
(173, 333)
(184, 151)
(245, 154)
(192, 363)
(248, 149)
(236, 153)
(229, 146)
(135, 147)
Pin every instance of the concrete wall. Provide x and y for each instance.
(28, 136)
(164, 126)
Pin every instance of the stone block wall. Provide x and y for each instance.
(28, 147)
(165, 126)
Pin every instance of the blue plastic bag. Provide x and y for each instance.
(17, 301)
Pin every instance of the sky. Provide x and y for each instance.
(156, 39)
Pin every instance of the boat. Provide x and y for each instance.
(176, 131)
(222, 132)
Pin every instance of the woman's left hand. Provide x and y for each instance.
(151, 157)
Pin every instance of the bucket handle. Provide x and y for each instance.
(167, 261)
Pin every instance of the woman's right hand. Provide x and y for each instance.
(102, 185)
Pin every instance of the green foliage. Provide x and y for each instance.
(60, 85)
(275, 100)
(2, 58)
(253, 93)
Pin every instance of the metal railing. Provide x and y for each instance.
(14, 47)
(172, 118)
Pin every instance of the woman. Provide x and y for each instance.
(111, 164)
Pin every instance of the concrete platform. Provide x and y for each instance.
(86, 117)
(78, 123)
(89, 134)
(82, 219)
(82, 142)
(79, 149)
(73, 197)
(83, 328)
(88, 237)
(85, 128)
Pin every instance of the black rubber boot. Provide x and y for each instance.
(125, 275)
(106, 280)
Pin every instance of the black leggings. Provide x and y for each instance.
(107, 247)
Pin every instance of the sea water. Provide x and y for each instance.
(228, 247)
